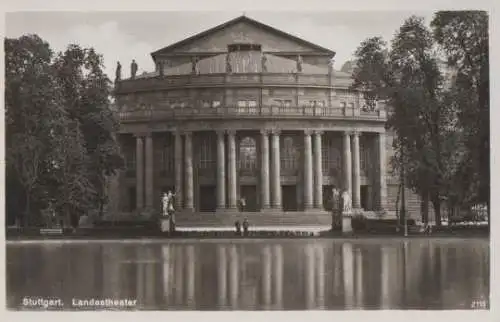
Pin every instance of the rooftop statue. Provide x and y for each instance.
(299, 64)
(263, 63)
(118, 74)
(133, 69)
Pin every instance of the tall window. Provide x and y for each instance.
(248, 154)
(206, 152)
(130, 160)
(167, 158)
(290, 154)
(330, 154)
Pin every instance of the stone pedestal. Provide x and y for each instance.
(167, 224)
(346, 222)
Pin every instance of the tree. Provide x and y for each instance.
(408, 77)
(86, 91)
(464, 37)
(59, 144)
(31, 109)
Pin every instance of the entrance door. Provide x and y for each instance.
(364, 197)
(289, 195)
(249, 192)
(208, 199)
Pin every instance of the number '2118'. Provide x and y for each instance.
(479, 304)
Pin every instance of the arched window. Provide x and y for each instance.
(290, 154)
(248, 154)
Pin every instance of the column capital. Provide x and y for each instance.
(265, 132)
(220, 133)
(319, 132)
(308, 132)
(356, 133)
(275, 132)
(187, 133)
(346, 133)
(176, 131)
(231, 132)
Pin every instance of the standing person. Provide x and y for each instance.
(243, 204)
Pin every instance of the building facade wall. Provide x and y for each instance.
(282, 139)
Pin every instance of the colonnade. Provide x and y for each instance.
(270, 170)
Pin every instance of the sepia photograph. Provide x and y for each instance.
(247, 160)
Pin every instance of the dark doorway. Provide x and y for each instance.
(289, 195)
(364, 195)
(328, 196)
(249, 192)
(208, 199)
(132, 199)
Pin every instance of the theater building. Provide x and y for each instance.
(244, 110)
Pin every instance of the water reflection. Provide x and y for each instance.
(257, 275)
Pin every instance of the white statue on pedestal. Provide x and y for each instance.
(346, 202)
(167, 203)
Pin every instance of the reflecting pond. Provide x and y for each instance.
(272, 274)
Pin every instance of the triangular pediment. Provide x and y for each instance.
(243, 30)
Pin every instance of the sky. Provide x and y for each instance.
(126, 35)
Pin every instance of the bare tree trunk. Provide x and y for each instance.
(424, 207)
(436, 203)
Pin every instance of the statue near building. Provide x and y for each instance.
(168, 203)
(299, 64)
(133, 69)
(118, 74)
(264, 63)
(346, 202)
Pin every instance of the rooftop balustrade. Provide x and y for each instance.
(282, 112)
(213, 80)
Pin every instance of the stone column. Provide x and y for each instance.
(276, 167)
(139, 177)
(264, 170)
(149, 172)
(178, 170)
(188, 158)
(346, 159)
(356, 178)
(308, 171)
(381, 177)
(221, 171)
(318, 170)
(232, 180)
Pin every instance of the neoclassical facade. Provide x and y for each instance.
(244, 110)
